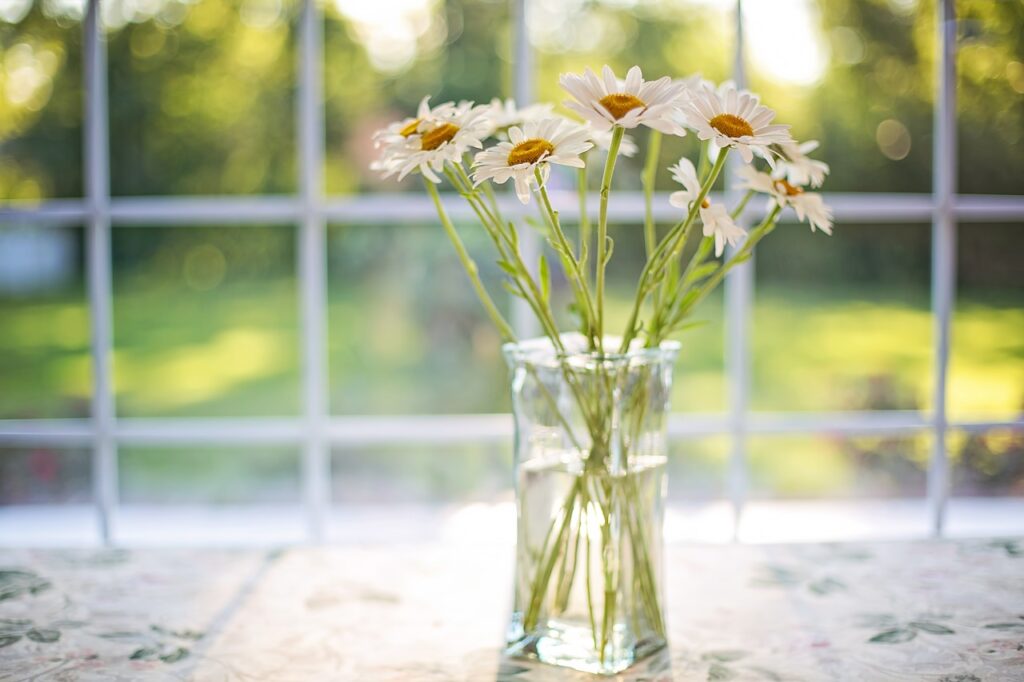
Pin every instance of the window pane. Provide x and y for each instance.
(46, 497)
(986, 374)
(381, 59)
(829, 488)
(697, 469)
(205, 321)
(843, 322)
(217, 475)
(990, 97)
(44, 324)
(838, 466)
(44, 475)
(407, 334)
(988, 464)
(415, 493)
(40, 99)
(189, 496)
(858, 77)
(202, 97)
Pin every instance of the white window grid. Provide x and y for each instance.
(315, 431)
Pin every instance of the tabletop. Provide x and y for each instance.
(950, 611)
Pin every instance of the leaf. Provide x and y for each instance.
(545, 278)
(145, 653)
(7, 640)
(931, 628)
(44, 635)
(507, 286)
(175, 655)
(508, 268)
(767, 674)
(701, 272)
(826, 586)
(717, 671)
(14, 583)
(610, 248)
(895, 636)
(1005, 626)
(724, 656)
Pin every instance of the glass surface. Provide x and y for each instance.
(45, 366)
(382, 58)
(842, 322)
(214, 475)
(407, 334)
(40, 100)
(987, 464)
(697, 468)
(395, 475)
(838, 467)
(202, 96)
(44, 476)
(205, 321)
(858, 77)
(990, 97)
(986, 373)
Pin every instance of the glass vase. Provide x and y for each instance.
(590, 454)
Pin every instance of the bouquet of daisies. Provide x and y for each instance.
(475, 148)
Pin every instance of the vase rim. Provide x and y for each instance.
(540, 350)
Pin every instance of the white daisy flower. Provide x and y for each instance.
(732, 118)
(607, 101)
(534, 146)
(602, 139)
(717, 221)
(800, 169)
(809, 206)
(435, 137)
(505, 114)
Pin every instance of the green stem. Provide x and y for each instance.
(469, 265)
(585, 237)
(667, 251)
(602, 228)
(742, 205)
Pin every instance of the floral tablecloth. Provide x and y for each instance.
(950, 611)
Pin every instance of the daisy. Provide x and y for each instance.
(800, 169)
(809, 206)
(435, 137)
(534, 146)
(607, 101)
(716, 219)
(733, 118)
(505, 114)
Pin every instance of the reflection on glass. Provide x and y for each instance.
(201, 96)
(205, 321)
(855, 76)
(422, 474)
(990, 97)
(407, 334)
(837, 466)
(987, 464)
(40, 100)
(843, 323)
(986, 373)
(218, 475)
(45, 369)
(44, 475)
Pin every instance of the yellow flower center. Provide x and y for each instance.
(529, 151)
(731, 125)
(705, 204)
(409, 129)
(619, 104)
(432, 139)
(789, 189)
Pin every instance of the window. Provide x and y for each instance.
(210, 255)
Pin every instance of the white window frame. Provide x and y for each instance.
(315, 431)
